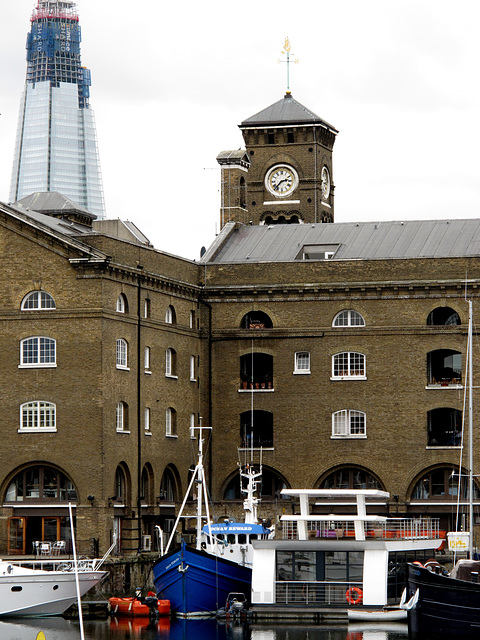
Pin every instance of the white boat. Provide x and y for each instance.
(385, 614)
(38, 592)
(339, 560)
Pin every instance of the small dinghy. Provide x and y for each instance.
(138, 606)
(385, 614)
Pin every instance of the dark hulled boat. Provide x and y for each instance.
(447, 605)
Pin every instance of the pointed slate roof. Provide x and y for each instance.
(286, 111)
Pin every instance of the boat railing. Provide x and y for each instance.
(84, 564)
(317, 592)
(391, 529)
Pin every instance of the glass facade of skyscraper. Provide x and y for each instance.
(56, 146)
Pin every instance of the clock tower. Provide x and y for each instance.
(289, 178)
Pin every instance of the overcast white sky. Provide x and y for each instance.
(172, 80)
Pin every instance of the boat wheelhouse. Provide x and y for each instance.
(328, 559)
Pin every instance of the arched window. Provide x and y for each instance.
(38, 416)
(243, 194)
(40, 483)
(170, 422)
(444, 427)
(122, 416)
(170, 315)
(169, 488)
(38, 352)
(444, 367)
(443, 483)
(256, 371)
(348, 364)
(256, 429)
(349, 424)
(122, 303)
(171, 363)
(350, 478)
(122, 354)
(147, 485)
(348, 318)
(36, 300)
(442, 316)
(120, 485)
(256, 320)
(271, 486)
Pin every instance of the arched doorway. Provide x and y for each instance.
(39, 496)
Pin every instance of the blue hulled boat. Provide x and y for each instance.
(198, 583)
(198, 580)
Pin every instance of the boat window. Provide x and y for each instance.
(253, 536)
(242, 538)
(220, 536)
(231, 538)
(16, 588)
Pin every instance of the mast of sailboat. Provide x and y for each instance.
(198, 477)
(470, 426)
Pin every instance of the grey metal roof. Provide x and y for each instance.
(52, 201)
(285, 111)
(347, 241)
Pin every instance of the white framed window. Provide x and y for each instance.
(147, 308)
(349, 424)
(192, 426)
(38, 351)
(38, 416)
(170, 316)
(171, 422)
(146, 360)
(348, 318)
(122, 304)
(192, 368)
(146, 419)
(171, 363)
(36, 300)
(122, 354)
(121, 415)
(348, 364)
(302, 362)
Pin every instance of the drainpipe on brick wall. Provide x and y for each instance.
(139, 411)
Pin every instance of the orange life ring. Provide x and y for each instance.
(354, 595)
(417, 563)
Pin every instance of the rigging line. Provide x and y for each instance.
(251, 414)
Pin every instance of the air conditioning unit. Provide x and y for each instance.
(146, 543)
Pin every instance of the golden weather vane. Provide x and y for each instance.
(286, 51)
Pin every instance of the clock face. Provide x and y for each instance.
(325, 183)
(281, 180)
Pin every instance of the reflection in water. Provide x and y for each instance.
(164, 629)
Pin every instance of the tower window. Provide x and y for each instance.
(270, 138)
(290, 137)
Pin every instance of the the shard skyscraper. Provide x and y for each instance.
(56, 144)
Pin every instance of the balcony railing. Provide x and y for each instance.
(392, 529)
(314, 593)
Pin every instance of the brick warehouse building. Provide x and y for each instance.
(338, 350)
